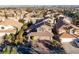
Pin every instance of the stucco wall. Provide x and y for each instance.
(67, 40)
(42, 38)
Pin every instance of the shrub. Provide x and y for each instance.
(6, 50)
(9, 37)
(21, 21)
(13, 51)
(55, 43)
(24, 27)
(9, 50)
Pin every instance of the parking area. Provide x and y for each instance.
(70, 48)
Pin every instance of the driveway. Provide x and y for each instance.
(70, 48)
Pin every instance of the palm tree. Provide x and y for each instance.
(9, 37)
(9, 50)
(5, 15)
(20, 37)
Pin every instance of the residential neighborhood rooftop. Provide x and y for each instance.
(40, 34)
(12, 23)
(67, 35)
(37, 30)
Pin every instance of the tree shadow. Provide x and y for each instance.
(50, 47)
(21, 49)
(47, 44)
(26, 50)
(74, 44)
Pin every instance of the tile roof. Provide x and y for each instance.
(67, 35)
(11, 22)
(40, 34)
(8, 31)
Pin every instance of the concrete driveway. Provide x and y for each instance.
(70, 48)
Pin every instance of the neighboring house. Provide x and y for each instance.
(9, 26)
(67, 31)
(12, 23)
(68, 35)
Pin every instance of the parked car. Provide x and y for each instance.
(77, 42)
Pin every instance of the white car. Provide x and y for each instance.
(77, 42)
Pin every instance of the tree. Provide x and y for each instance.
(75, 20)
(9, 37)
(5, 14)
(13, 51)
(55, 43)
(21, 21)
(19, 36)
(9, 50)
(6, 50)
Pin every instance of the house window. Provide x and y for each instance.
(72, 31)
(31, 37)
(2, 27)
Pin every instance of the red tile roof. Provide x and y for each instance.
(40, 34)
(67, 35)
(11, 22)
(8, 31)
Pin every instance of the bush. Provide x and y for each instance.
(24, 27)
(13, 51)
(6, 50)
(55, 43)
(9, 37)
(21, 21)
(9, 50)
